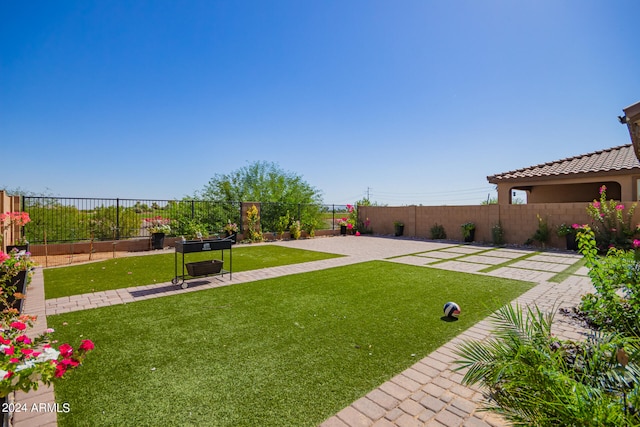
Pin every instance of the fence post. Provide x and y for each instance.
(333, 217)
(117, 219)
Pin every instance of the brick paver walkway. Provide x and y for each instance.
(430, 392)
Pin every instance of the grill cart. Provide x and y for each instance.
(211, 267)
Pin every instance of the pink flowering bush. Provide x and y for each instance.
(611, 224)
(349, 221)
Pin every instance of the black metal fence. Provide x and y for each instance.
(65, 219)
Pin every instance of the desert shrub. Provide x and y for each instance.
(497, 234)
(438, 232)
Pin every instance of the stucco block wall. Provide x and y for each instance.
(519, 222)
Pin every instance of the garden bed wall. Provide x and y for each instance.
(519, 222)
(131, 245)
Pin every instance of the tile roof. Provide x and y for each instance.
(611, 159)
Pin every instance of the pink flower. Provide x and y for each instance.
(19, 325)
(3, 257)
(596, 205)
(357, 233)
(636, 243)
(619, 207)
(26, 351)
(87, 345)
(24, 339)
(603, 189)
(66, 350)
(9, 350)
(350, 208)
(576, 226)
(8, 375)
(349, 226)
(60, 370)
(14, 360)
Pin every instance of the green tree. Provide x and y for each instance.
(261, 182)
(281, 193)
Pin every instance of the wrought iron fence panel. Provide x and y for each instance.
(63, 219)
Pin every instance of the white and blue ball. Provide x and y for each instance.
(451, 309)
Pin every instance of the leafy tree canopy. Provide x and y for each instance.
(260, 182)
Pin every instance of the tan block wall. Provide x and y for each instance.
(519, 222)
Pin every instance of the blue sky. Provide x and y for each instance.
(410, 102)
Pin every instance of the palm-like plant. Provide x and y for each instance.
(536, 379)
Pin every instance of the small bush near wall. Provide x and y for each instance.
(438, 232)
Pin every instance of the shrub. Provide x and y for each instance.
(535, 379)
(612, 227)
(615, 306)
(253, 223)
(437, 232)
(543, 233)
(294, 230)
(497, 234)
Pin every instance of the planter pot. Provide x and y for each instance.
(230, 235)
(157, 241)
(19, 282)
(343, 230)
(399, 230)
(471, 237)
(18, 247)
(204, 268)
(572, 244)
(6, 416)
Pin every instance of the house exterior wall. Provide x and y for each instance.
(571, 190)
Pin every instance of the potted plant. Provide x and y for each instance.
(468, 231)
(158, 227)
(398, 227)
(231, 230)
(14, 219)
(15, 274)
(344, 224)
(569, 233)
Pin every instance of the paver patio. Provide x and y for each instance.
(430, 392)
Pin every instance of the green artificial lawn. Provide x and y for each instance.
(288, 351)
(149, 269)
